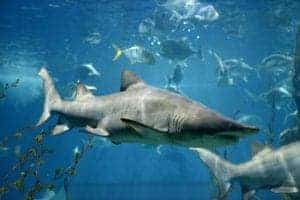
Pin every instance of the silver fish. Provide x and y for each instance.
(135, 54)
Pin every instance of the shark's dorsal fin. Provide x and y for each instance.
(258, 149)
(82, 91)
(129, 79)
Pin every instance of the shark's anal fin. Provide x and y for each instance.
(97, 131)
(60, 128)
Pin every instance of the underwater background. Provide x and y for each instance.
(67, 35)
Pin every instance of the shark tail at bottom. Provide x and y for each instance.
(222, 170)
(52, 97)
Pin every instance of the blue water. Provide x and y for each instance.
(55, 34)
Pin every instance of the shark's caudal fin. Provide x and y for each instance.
(221, 169)
(118, 52)
(52, 98)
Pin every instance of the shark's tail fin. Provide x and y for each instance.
(52, 98)
(221, 169)
(118, 52)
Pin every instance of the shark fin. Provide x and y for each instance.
(129, 79)
(222, 170)
(52, 98)
(82, 91)
(258, 149)
(285, 189)
(288, 186)
(97, 131)
(140, 127)
(118, 52)
(60, 128)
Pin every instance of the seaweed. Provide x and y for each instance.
(24, 175)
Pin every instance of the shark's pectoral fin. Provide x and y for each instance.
(147, 132)
(288, 186)
(60, 128)
(285, 189)
(142, 128)
(97, 131)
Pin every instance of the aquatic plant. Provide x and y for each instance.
(24, 175)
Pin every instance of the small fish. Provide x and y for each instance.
(77, 154)
(58, 172)
(18, 135)
(292, 115)
(135, 54)
(90, 87)
(277, 64)
(71, 171)
(16, 83)
(19, 184)
(17, 150)
(93, 38)
(39, 138)
(3, 148)
(47, 150)
(32, 152)
(91, 69)
(50, 194)
(276, 59)
(230, 71)
(250, 119)
(23, 174)
(53, 5)
(3, 190)
(191, 10)
(206, 13)
(146, 26)
(175, 78)
(178, 50)
(277, 93)
(289, 135)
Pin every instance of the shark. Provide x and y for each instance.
(140, 113)
(277, 170)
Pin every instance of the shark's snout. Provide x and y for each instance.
(210, 122)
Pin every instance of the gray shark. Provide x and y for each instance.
(140, 113)
(278, 170)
